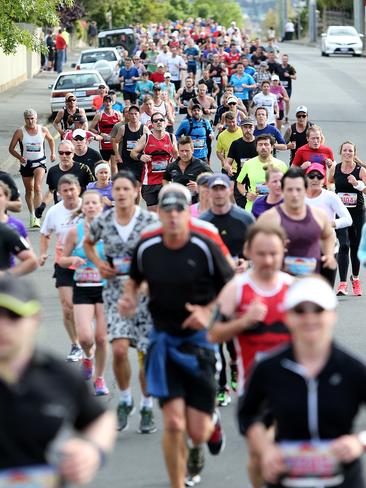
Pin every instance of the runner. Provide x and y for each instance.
(249, 311)
(263, 127)
(203, 203)
(64, 119)
(120, 229)
(14, 202)
(310, 235)
(314, 429)
(163, 107)
(287, 74)
(295, 135)
(156, 151)
(350, 185)
(126, 139)
(338, 215)
(87, 294)
(227, 137)
(314, 151)
(128, 76)
(82, 152)
(282, 98)
(252, 176)
(59, 219)
(199, 129)
(187, 397)
(267, 100)
(184, 95)
(103, 185)
(232, 223)
(12, 244)
(242, 83)
(274, 196)
(103, 123)
(176, 66)
(73, 433)
(32, 158)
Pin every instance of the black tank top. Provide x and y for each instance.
(67, 119)
(346, 191)
(128, 143)
(299, 138)
(186, 96)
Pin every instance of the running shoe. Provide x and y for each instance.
(31, 221)
(192, 480)
(195, 461)
(356, 286)
(76, 353)
(342, 289)
(39, 210)
(87, 368)
(147, 422)
(216, 442)
(123, 412)
(234, 379)
(100, 386)
(223, 397)
(36, 223)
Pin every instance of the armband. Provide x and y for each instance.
(360, 186)
(217, 316)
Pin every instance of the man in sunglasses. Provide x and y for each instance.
(83, 153)
(249, 310)
(311, 238)
(64, 119)
(156, 150)
(186, 270)
(295, 135)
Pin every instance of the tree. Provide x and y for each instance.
(223, 11)
(15, 12)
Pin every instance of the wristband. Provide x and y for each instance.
(360, 186)
(362, 438)
(101, 452)
(139, 156)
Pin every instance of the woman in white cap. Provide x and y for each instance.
(282, 97)
(312, 390)
(103, 184)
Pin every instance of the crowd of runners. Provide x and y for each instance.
(205, 232)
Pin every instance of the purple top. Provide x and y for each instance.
(260, 205)
(17, 225)
(106, 192)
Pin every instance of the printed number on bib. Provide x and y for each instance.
(300, 266)
(199, 143)
(122, 265)
(349, 199)
(84, 275)
(158, 166)
(29, 477)
(261, 189)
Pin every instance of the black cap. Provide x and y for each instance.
(196, 105)
(79, 118)
(173, 200)
(18, 297)
(107, 97)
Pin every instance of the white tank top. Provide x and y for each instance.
(33, 146)
(160, 108)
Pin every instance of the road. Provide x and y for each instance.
(333, 90)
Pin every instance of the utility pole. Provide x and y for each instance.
(282, 4)
(313, 28)
(359, 17)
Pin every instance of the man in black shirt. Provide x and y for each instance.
(287, 73)
(185, 271)
(240, 151)
(40, 399)
(11, 243)
(186, 168)
(14, 203)
(83, 153)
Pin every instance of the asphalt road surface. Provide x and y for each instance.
(334, 91)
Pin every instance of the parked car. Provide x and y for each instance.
(84, 84)
(120, 38)
(341, 39)
(106, 60)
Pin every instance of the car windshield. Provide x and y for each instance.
(77, 80)
(93, 57)
(342, 31)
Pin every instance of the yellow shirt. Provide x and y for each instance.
(225, 140)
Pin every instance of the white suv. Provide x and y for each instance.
(106, 60)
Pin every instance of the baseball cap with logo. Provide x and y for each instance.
(219, 179)
(302, 108)
(17, 297)
(316, 167)
(174, 197)
(79, 133)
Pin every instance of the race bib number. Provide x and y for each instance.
(199, 143)
(299, 266)
(261, 189)
(310, 464)
(122, 265)
(129, 82)
(85, 275)
(33, 147)
(29, 477)
(217, 80)
(284, 83)
(130, 145)
(349, 199)
(239, 89)
(158, 166)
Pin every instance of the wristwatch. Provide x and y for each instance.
(362, 438)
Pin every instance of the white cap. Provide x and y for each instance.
(275, 77)
(79, 132)
(167, 75)
(311, 289)
(232, 100)
(161, 65)
(302, 108)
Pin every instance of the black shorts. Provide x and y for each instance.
(29, 171)
(150, 194)
(64, 276)
(281, 115)
(135, 168)
(87, 295)
(106, 154)
(129, 96)
(198, 391)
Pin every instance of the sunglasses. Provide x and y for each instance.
(232, 103)
(71, 100)
(302, 309)
(78, 138)
(65, 153)
(301, 116)
(318, 176)
(178, 207)
(157, 120)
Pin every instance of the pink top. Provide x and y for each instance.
(279, 92)
(195, 212)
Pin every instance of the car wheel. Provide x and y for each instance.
(356, 55)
